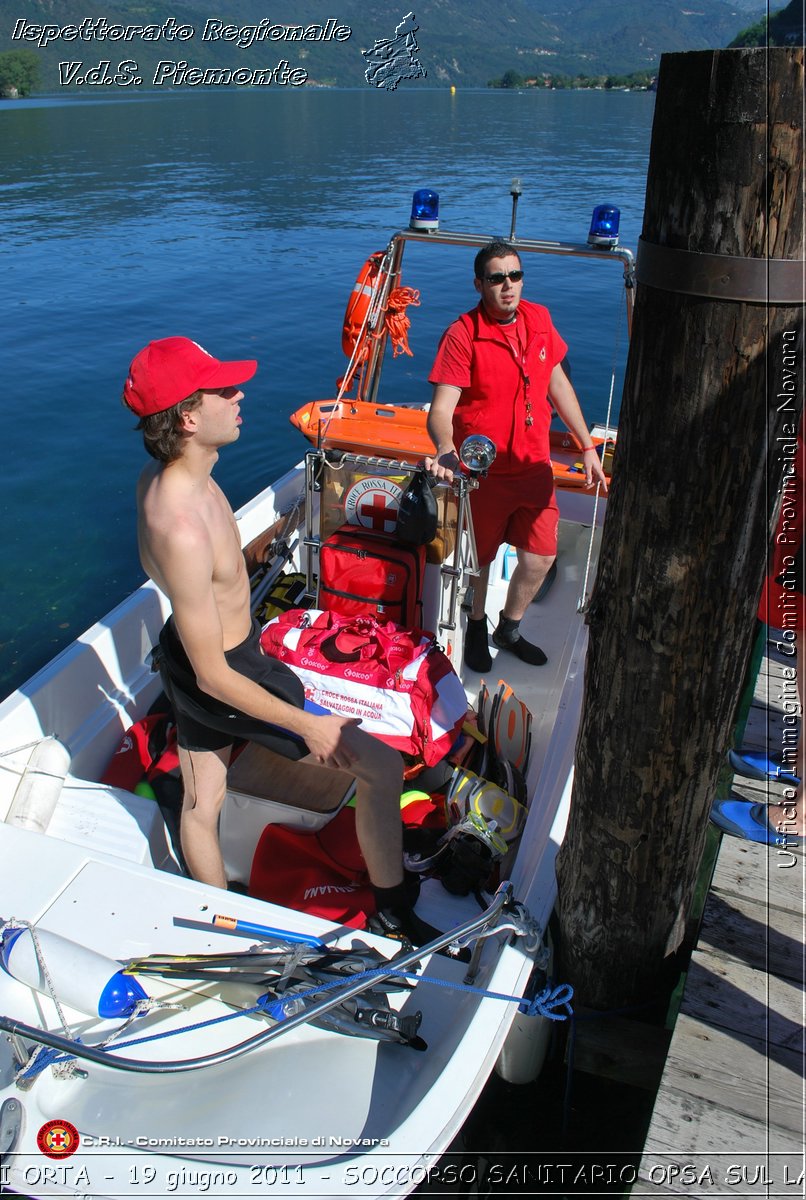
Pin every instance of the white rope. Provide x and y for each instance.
(60, 1070)
(16, 750)
(523, 925)
(13, 923)
(371, 317)
(584, 598)
(70, 1068)
(142, 1008)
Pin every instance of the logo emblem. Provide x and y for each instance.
(374, 503)
(58, 1139)
(391, 60)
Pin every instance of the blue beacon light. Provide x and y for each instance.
(604, 226)
(424, 210)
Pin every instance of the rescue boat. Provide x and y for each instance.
(398, 432)
(166, 1037)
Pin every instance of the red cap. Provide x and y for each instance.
(169, 370)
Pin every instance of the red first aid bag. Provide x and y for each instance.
(397, 681)
(363, 572)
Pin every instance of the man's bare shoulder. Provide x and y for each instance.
(170, 522)
(150, 475)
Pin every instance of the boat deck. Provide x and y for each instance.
(729, 1114)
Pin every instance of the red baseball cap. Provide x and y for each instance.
(167, 371)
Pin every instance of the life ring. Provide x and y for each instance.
(355, 328)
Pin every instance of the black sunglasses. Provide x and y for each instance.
(499, 276)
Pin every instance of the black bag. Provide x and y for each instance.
(417, 517)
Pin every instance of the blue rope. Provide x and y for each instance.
(545, 1004)
(158, 1037)
(549, 1000)
(47, 1057)
(50, 1057)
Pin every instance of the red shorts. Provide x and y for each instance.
(515, 510)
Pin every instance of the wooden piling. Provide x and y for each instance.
(708, 418)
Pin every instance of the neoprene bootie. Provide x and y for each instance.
(507, 636)
(477, 650)
(396, 918)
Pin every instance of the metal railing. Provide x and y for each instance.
(107, 1058)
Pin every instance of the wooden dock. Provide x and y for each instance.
(729, 1115)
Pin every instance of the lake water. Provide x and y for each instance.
(240, 219)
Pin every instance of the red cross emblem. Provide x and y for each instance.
(58, 1139)
(373, 502)
(376, 511)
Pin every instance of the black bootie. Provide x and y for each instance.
(506, 636)
(477, 650)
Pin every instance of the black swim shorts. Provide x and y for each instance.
(204, 723)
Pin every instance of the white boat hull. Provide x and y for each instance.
(314, 1112)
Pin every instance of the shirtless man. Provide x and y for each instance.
(220, 683)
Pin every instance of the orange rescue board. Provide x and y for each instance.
(388, 431)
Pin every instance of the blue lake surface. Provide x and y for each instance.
(241, 219)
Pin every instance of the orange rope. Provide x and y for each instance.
(395, 323)
(395, 320)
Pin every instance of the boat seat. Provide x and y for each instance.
(264, 788)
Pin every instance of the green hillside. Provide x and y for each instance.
(783, 28)
(461, 42)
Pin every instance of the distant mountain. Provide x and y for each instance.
(782, 28)
(622, 36)
(461, 42)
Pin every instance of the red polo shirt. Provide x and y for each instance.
(503, 373)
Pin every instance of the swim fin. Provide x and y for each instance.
(510, 728)
(755, 764)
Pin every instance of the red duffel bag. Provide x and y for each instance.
(396, 680)
(320, 872)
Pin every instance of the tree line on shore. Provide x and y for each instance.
(20, 70)
(784, 27)
(19, 76)
(19, 73)
(642, 80)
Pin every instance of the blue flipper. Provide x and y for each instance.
(744, 819)
(755, 764)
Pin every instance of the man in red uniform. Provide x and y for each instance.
(498, 372)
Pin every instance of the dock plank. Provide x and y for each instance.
(739, 1076)
(730, 995)
(734, 1074)
(734, 925)
(692, 1131)
(765, 874)
(615, 1048)
(765, 728)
